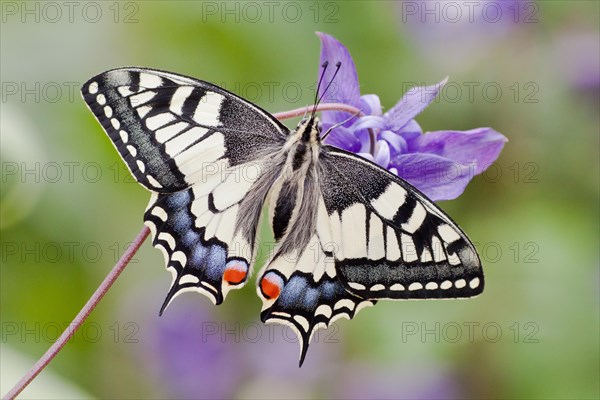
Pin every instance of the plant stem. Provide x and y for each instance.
(321, 107)
(124, 260)
(81, 317)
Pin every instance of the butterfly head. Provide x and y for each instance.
(309, 129)
(309, 126)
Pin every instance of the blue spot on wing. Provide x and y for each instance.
(292, 292)
(189, 238)
(197, 256)
(301, 295)
(215, 262)
(330, 290)
(206, 257)
(311, 298)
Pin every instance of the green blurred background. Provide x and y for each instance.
(69, 208)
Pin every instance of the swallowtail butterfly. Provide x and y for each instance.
(347, 232)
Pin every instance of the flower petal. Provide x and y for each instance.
(368, 121)
(396, 142)
(370, 104)
(412, 103)
(382, 154)
(364, 137)
(411, 130)
(345, 88)
(437, 177)
(477, 148)
(343, 138)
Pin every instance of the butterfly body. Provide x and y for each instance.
(347, 232)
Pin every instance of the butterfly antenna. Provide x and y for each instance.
(338, 124)
(337, 69)
(316, 102)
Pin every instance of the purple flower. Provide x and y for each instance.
(440, 164)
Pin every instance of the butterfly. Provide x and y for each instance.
(347, 232)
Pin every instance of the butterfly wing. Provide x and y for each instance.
(168, 128)
(301, 290)
(201, 150)
(207, 232)
(299, 286)
(370, 235)
(391, 241)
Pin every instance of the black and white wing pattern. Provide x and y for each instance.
(199, 149)
(391, 241)
(347, 232)
(301, 289)
(299, 285)
(361, 235)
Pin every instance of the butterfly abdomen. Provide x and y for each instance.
(299, 156)
(284, 208)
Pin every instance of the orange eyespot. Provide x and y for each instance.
(235, 272)
(271, 285)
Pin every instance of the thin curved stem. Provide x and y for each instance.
(331, 107)
(321, 107)
(81, 316)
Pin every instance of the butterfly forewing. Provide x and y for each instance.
(391, 241)
(169, 128)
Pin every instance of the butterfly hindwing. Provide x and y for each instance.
(302, 291)
(207, 233)
(391, 241)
